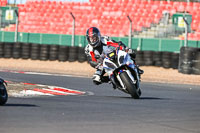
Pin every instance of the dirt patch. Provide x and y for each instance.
(159, 74)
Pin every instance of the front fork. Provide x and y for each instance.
(118, 82)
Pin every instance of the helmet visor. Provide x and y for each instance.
(93, 39)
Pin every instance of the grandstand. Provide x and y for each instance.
(3, 2)
(110, 16)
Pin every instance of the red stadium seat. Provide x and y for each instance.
(109, 15)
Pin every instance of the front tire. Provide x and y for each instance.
(130, 86)
(3, 94)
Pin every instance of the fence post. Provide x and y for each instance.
(160, 45)
(186, 32)
(139, 44)
(73, 29)
(16, 29)
(0, 17)
(130, 33)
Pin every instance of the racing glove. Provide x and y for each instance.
(99, 66)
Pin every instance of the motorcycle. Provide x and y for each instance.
(122, 72)
(3, 92)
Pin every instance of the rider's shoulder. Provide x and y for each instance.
(105, 39)
(88, 48)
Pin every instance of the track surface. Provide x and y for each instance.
(163, 108)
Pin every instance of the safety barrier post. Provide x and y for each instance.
(0, 17)
(130, 32)
(186, 32)
(73, 29)
(16, 29)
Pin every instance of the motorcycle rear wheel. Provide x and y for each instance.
(3, 94)
(130, 86)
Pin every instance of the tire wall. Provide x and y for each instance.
(187, 62)
(43, 52)
(157, 58)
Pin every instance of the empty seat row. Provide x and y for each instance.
(78, 14)
(3, 2)
(109, 15)
(194, 36)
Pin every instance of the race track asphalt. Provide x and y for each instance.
(163, 108)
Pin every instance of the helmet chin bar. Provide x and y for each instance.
(93, 38)
(96, 44)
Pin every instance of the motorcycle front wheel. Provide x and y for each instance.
(3, 94)
(129, 85)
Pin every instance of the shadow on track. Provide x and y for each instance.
(20, 105)
(153, 98)
(141, 98)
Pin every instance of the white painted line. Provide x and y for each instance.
(46, 74)
(33, 93)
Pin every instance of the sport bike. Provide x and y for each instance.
(122, 72)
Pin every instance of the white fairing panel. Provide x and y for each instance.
(126, 58)
(107, 68)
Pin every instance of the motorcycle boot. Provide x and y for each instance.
(140, 71)
(133, 56)
(96, 79)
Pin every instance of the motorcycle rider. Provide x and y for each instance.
(97, 44)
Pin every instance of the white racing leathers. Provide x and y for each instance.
(95, 55)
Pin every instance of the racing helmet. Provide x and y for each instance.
(93, 36)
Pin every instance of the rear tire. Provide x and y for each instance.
(131, 88)
(3, 94)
